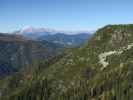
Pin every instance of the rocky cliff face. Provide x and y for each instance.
(14, 53)
(17, 52)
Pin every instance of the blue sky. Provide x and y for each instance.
(64, 14)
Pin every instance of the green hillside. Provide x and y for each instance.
(99, 70)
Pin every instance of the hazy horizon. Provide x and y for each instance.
(67, 15)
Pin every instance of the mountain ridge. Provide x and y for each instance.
(62, 37)
(78, 75)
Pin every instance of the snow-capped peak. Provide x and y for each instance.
(30, 29)
(27, 29)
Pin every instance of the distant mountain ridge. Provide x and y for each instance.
(68, 39)
(74, 40)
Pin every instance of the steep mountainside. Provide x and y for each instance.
(17, 52)
(99, 70)
(14, 51)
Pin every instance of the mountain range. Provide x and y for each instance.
(68, 39)
(101, 69)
